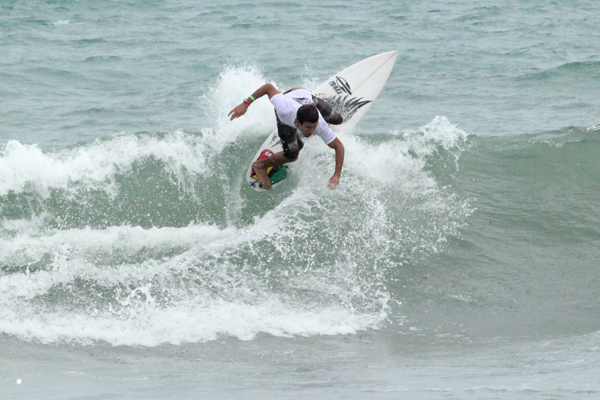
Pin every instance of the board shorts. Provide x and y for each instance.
(291, 141)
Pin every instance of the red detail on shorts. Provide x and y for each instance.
(265, 154)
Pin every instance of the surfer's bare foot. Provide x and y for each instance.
(261, 175)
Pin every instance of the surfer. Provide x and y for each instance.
(295, 110)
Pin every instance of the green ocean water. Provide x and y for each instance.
(457, 259)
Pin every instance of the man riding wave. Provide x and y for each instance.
(295, 110)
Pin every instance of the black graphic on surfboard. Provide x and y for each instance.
(343, 102)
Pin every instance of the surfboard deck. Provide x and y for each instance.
(350, 92)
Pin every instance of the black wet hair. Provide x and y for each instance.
(307, 113)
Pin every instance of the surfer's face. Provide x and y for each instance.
(307, 128)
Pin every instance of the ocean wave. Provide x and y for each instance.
(587, 70)
(151, 239)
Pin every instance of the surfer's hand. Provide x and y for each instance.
(334, 181)
(238, 111)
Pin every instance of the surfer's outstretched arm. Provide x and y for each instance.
(337, 145)
(241, 109)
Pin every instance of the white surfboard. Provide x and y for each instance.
(350, 92)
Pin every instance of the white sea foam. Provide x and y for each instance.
(233, 86)
(128, 239)
(27, 168)
(188, 323)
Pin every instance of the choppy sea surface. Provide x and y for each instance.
(458, 259)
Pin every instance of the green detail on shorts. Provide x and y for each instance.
(279, 175)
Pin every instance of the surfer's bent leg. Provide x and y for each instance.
(329, 114)
(289, 140)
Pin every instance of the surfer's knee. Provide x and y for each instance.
(329, 114)
(290, 160)
(292, 152)
(291, 145)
